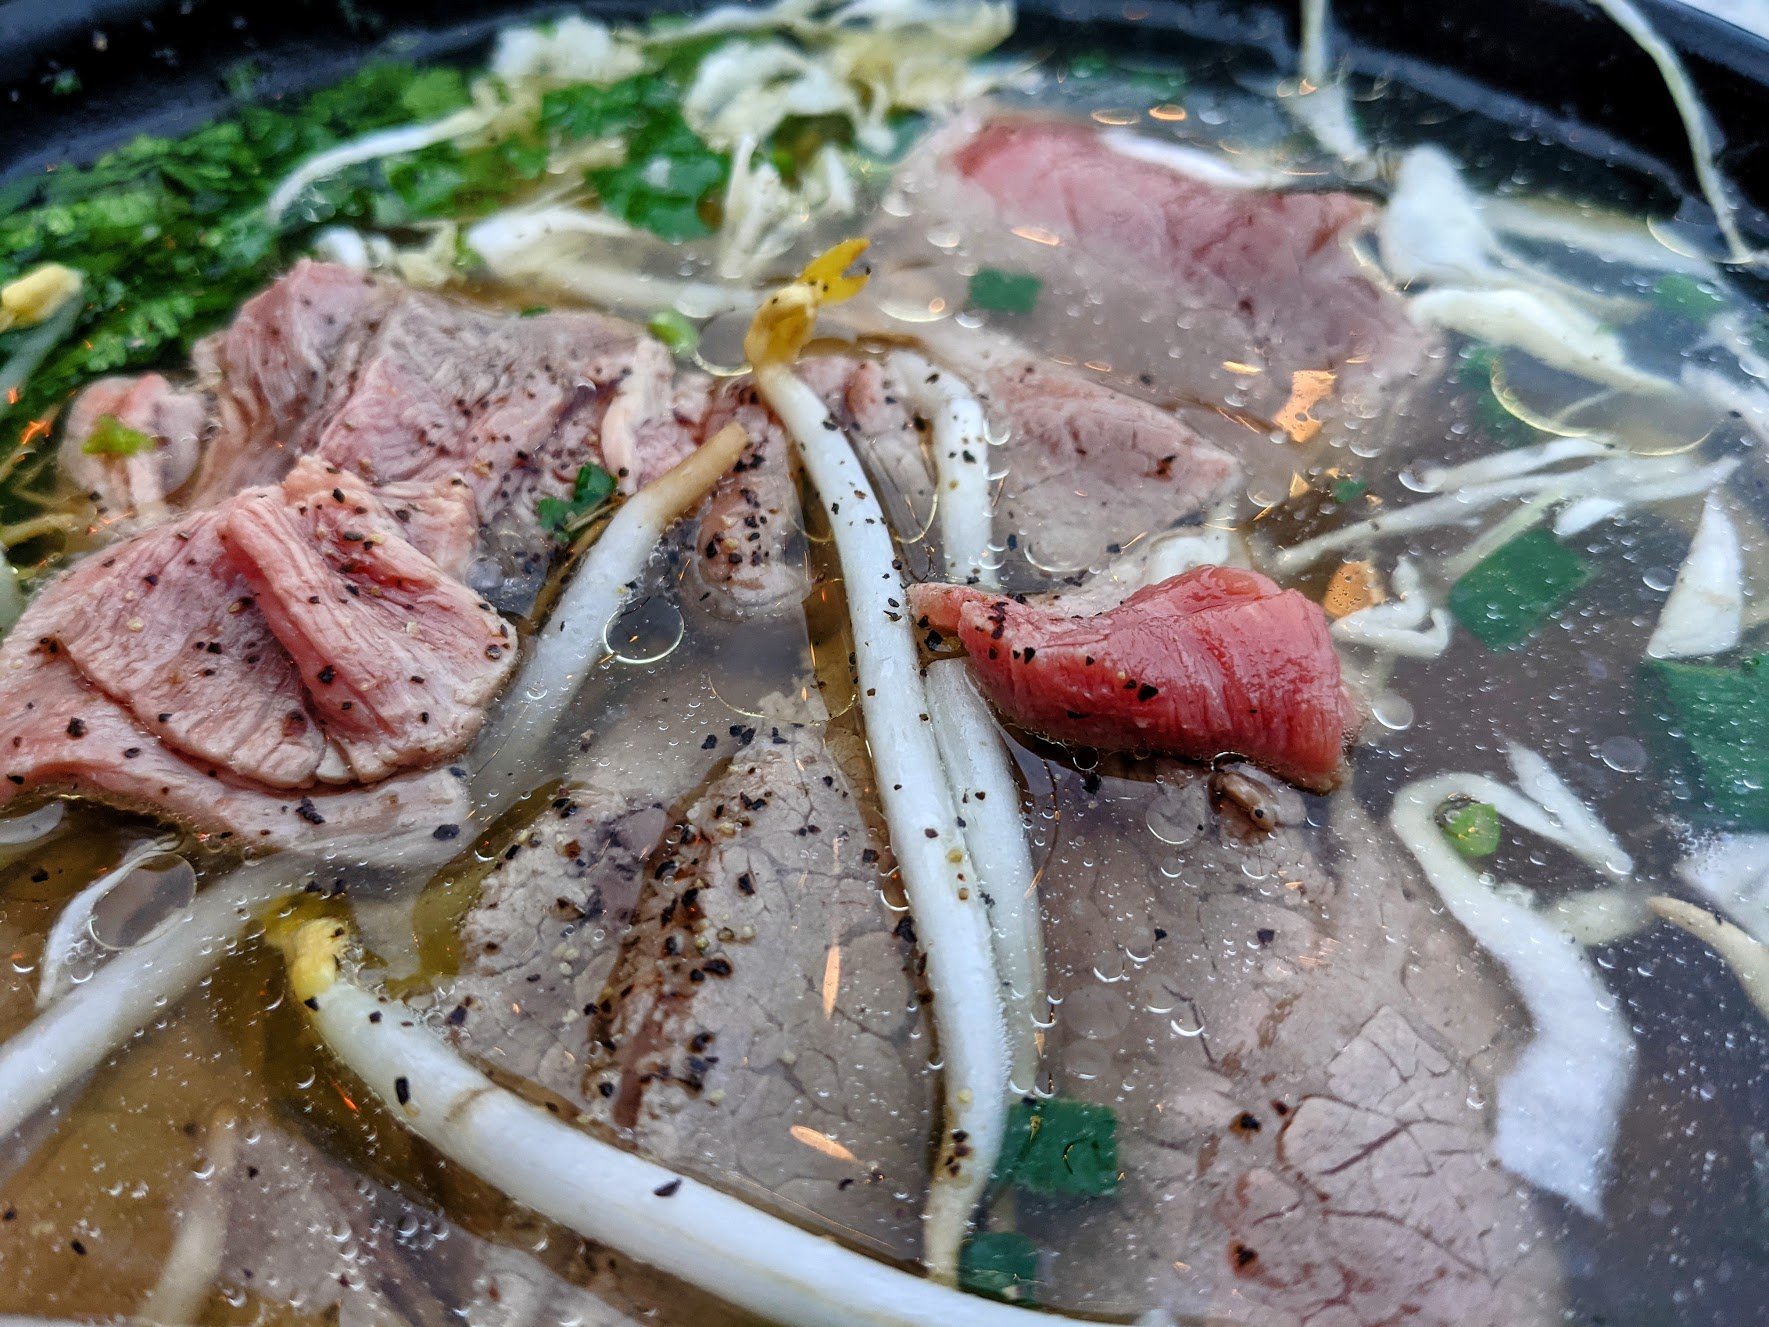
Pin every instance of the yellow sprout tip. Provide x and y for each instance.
(784, 323)
(312, 950)
(35, 296)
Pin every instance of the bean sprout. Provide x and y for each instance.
(664, 1219)
(960, 441)
(571, 643)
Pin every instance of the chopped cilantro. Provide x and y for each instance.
(1000, 1264)
(1004, 292)
(1510, 593)
(1060, 1146)
(566, 516)
(1346, 491)
(65, 83)
(1687, 297)
(675, 331)
(668, 177)
(1472, 829)
(112, 437)
(1089, 66)
(1712, 721)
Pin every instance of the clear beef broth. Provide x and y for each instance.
(1191, 913)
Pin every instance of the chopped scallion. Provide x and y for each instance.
(1004, 292)
(110, 436)
(590, 493)
(1472, 828)
(675, 331)
(1001, 1264)
(1061, 1146)
(1510, 593)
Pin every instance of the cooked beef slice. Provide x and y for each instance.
(168, 628)
(1300, 1052)
(1090, 469)
(283, 637)
(309, 1236)
(398, 659)
(1086, 469)
(134, 485)
(751, 556)
(760, 1029)
(1244, 309)
(279, 373)
(1215, 660)
(59, 733)
(542, 936)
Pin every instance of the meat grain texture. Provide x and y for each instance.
(1213, 662)
(1304, 1104)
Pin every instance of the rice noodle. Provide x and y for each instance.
(1702, 147)
(1623, 480)
(1731, 871)
(370, 147)
(669, 1221)
(76, 917)
(1195, 162)
(571, 644)
(76, 1033)
(1544, 325)
(1321, 105)
(988, 797)
(1407, 625)
(1559, 1105)
(1747, 956)
(960, 443)
(187, 1277)
(1508, 464)
(1704, 614)
(1610, 236)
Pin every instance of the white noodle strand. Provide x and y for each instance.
(960, 442)
(951, 921)
(988, 797)
(668, 1221)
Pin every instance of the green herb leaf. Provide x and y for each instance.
(1687, 297)
(590, 492)
(1001, 1264)
(1004, 292)
(1511, 592)
(675, 331)
(1472, 829)
(1345, 491)
(668, 177)
(1712, 725)
(1059, 1145)
(110, 436)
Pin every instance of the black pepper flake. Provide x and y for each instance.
(1147, 692)
(77, 1247)
(374, 1015)
(76, 727)
(446, 832)
(667, 1190)
(1265, 935)
(710, 743)
(311, 1003)
(402, 1089)
(309, 812)
(327, 675)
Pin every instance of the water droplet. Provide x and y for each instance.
(1658, 578)
(1625, 755)
(918, 294)
(1393, 711)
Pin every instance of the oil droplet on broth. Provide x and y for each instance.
(1625, 755)
(144, 902)
(918, 294)
(645, 632)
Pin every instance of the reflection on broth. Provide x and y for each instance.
(807, 665)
